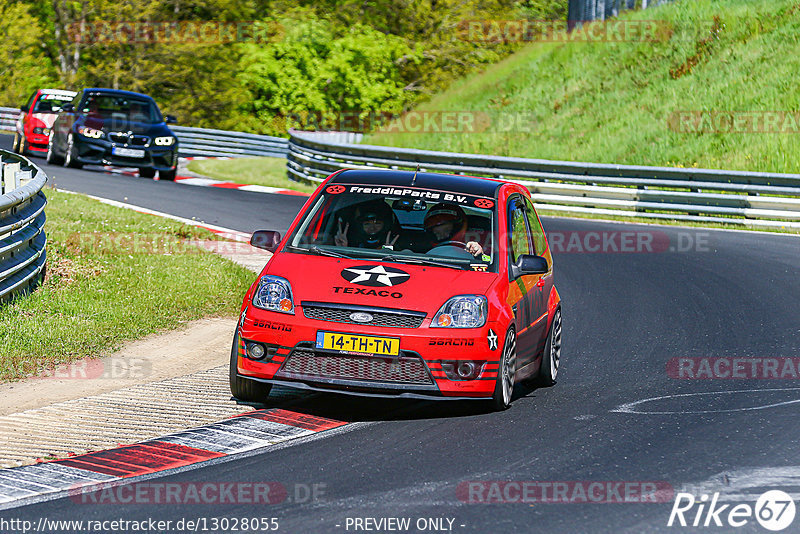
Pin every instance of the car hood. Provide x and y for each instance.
(140, 128)
(371, 283)
(47, 118)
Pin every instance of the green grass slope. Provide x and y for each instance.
(612, 102)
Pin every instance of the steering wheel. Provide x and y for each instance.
(453, 243)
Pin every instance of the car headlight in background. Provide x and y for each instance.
(41, 131)
(165, 141)
(275, 294)
(90, 132)
(462, 311)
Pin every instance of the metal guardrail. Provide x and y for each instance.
(701, 195)
(8, 118)
(209, 142)
(206, 142)
(22, 239)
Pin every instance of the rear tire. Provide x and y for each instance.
(551, 357)
(167, 175)
(71, 157)
(52, 157)
(504, 386)
(147, 172)
(243, 388)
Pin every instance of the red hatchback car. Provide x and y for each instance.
(36, 119)
(401, 284)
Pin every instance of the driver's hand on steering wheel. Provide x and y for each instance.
(474, 248)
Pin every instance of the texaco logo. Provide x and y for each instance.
(375, 276)
(335, 189)
(484, 203)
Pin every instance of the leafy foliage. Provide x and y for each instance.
(323, 56)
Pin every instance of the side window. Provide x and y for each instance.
(519, 240)
(537, 232)
(30, 101)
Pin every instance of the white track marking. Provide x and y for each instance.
(225, 232)
(631, 407)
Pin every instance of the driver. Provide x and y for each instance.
(446, 224)
(372, 228)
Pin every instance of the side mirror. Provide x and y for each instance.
(23, 108)
(529, 264)
(68, 108)
(171, 119)
(266, 239)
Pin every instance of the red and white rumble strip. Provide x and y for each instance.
(208, 182)
(245, 432)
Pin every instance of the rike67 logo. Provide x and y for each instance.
(774, 510)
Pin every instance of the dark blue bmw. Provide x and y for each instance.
(112, 127)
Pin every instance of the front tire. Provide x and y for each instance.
(52, 157)
(504, 386)
(551, 357)
(147, 172)
(243, 388)
(19, 144)
(168, 175)
(71, 158)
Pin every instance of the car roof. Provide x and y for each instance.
(57, 92)
(469, 185)
(119, 92)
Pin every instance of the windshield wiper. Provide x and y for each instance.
(421, 261)
(325, 252)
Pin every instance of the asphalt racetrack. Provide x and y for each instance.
(626, 408)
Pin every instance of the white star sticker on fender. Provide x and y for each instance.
(492, 338)
(381, 275)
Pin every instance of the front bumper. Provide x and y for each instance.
(37, 142)
(100, 152)
(293, 359)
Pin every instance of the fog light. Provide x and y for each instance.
(466, 370)
(255, 351)
(462, 370)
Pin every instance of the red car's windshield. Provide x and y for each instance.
(407, 224)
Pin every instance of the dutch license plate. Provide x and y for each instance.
(127, 152)
(385, 346)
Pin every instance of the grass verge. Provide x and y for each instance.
(114, 275)
(622, 102)
(269, 172)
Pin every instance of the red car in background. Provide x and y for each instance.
(36, 119)
(400, 284)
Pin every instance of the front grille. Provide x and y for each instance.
(139, 140)
(118, 137)
(304, 363)
(390, 318)
(131, 140)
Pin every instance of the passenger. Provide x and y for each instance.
(446, 224)
(372, 228)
